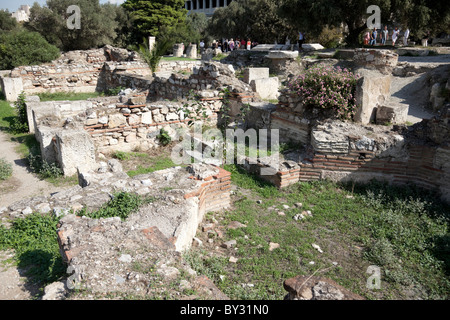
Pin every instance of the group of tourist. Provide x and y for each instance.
(370, 38)
(228, 45)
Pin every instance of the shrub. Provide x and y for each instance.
(121, 205)
(43, 168)
(20, 48)
(164, 137)
(20, 122)
(5, 169)
(327, 87)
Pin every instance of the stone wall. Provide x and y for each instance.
(341, 152)
(78, 71)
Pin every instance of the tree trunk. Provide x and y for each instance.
(352, 38)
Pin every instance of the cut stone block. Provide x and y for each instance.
(255, 73)
(76, 151)
(11, 88)
(373, 91)
(266, 88)
(282, 55)
(312, 46)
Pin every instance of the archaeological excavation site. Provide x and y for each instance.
(184, 240)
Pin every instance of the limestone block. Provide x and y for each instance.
(147, 118)
(178, 49)
(266, 88)
(373, 91)
(255, 73)
(394, 114)
(75, 151)
(312, 46)
(282, 54)
(191, 51)
(134, 119)
(326, 142)
(171, 116)
(116, 120)
(11, 87)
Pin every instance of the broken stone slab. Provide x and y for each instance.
(312, 46)
(202, 171)
(316, 288)
(255, 73)
(11, 88)
(266, 88)
(55, 291)
(282, 55)
(373, 90)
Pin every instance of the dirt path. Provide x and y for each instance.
(22, 184)
(411, 91)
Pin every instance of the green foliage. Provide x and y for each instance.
(328, 88)
(98, 23)
(7, 22)
(34, 241)
(21, 48)
(6, 169)
(158, 164)
(121, 205)
(164, 137)
(255, 19)
(150, 17)
(41, 167)
(153, 57)
(19, 123)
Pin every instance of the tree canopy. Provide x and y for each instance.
(419, 15)
(98, 24)
(254, 19)
(149, 17)
(7, 23)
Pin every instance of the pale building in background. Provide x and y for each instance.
(22, 14)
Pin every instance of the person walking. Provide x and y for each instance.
(249, 44)
(202, 46)
(395, 36)
(405, 37)
(366, 38)
(373, 37)
(231, 45)
(301, 39)
(384, 35)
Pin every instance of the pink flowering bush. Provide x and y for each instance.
(329, 88)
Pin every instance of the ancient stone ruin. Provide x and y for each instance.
(77, 135)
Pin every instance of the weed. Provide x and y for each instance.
(164, 137)
(5, 169)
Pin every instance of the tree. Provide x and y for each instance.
(255, 19)
(98, 24)
(21, 47)
(423, 16)
(313, 16)
(7, 23)
(149, 17)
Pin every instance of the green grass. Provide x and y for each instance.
(157, 164)
(143, 163)
(35, 244)
(67, 96)
(404, 231)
